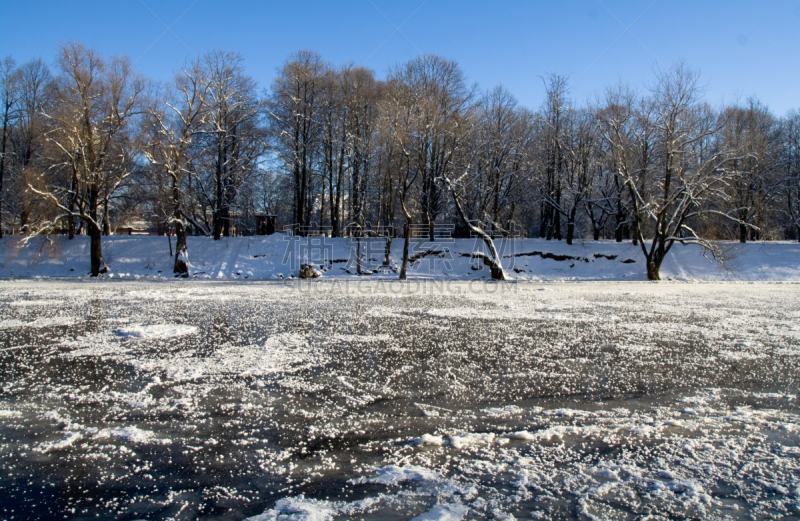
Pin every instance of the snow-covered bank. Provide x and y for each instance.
(278, 257)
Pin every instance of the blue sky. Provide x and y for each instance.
(741, 48)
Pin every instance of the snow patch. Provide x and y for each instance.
(155, 331)
(503, 411)
(428, 440)
(132, 434)
(299, 508)
(472, 439)
(393, 475)
(69, 439)
(444, 513)
(38, 323)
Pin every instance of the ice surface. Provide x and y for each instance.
(607, 400)
(41, 322)
(51, 302)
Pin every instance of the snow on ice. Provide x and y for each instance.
(283, 402)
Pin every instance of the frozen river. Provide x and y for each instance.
(186, 400)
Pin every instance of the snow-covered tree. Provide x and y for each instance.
(90, 134)
(174, 124)
(790, 167)
(9, 97)
(295, 110)
(665, 153)
(498, 154)
(235, 140)
(26, 160)
(751, 134)
(429, 98)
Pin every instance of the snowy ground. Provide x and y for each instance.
(277, 257)
(377, 400)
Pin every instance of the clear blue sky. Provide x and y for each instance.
(742, 48)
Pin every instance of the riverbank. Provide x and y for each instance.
(277, 257)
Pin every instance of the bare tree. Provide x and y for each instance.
(173, 132)
(29, 141)
(494, 261)
(790, 162)
(604, 197)
(552, 155)
(572, 167)
(499, 159)
(750, 133)
(333, 142)
(398, 108)
(90, 123)
(9, 96)
(437, 97)
(690, 168)
(235, 140)
(295, 112)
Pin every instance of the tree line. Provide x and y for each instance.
(91, 145)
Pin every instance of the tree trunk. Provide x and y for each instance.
(557, 226)
(542, 221)
(96, 251)
(6, 117)
(24, 215)
(658, 251)
(219, 196)
(217, 225)
(557, 217)
(653, 267)
(181, 268)
(620, 222)
(226, 221)
(387, 260)
(406, 247)
(494, 268)
(106, 221)
(71, 231)
(495, 263)
(95, 232)
(571, 226)
(2, 171)
(358, 255)
(742, 233)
